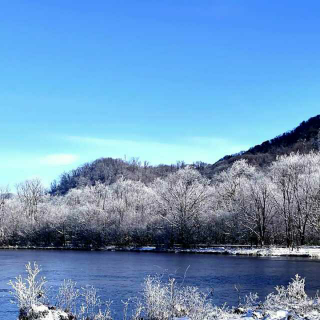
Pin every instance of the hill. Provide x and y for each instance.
(109, 170)
(303, 139)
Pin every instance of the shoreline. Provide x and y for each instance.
(234, 250)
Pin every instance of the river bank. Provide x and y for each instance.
(305, 251)
(44, 312)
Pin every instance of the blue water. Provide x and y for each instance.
(120, 275)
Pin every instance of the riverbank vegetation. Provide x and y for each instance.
(159, 300)
(244, 204)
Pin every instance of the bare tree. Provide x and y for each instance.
(181, 200)
(4, 196)
(298, 181)
(30, 193)
(257, 206)
(229, 197)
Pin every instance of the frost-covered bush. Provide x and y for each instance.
(68, 295)
(293, 299)
(292, 295)
(30, 291)
(30, 295)
(84, 303)
(168, 300)
(91, 305)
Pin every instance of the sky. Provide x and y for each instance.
(161, 81)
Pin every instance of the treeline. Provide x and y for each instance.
(241, 205)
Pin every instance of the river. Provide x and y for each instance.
(120, 275)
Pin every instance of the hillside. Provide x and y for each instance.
(303, 139)
(109, 170)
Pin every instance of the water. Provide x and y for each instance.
(119, 275)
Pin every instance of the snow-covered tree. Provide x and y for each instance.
(230, 186)
(257, 207)
(182, 199)
(297, 178)
(30, 193)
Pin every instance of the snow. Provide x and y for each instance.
(147, 248)
(44, 313)
(281, 314)
(306, 251)
(41, 308)
(254, 315)
(311, 252)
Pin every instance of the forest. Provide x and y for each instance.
(243, 204)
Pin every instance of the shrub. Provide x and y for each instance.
(168, 300)
(30, 291)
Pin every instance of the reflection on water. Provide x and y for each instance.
(119, 275)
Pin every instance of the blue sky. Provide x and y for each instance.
(160, 80)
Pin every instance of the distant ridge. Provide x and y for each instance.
(303, 139)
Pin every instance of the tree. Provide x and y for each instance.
(181, 200)
(298, 181)
(4, 196)
(30, 194)
(257, 206)
(229, 198)
(130, 205)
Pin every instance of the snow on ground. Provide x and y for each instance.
(312, 252)
(42, 312)
(306, 251)
(271, 315)
(148, 249)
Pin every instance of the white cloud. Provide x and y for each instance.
(189, 149)
(61, 159)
